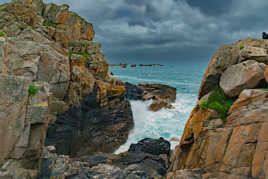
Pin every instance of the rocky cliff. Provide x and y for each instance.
(55, 80)
(226, 134)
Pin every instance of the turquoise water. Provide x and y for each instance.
(167, 123)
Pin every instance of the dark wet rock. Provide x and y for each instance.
(161, 95)
(82, 130)
(94, 160)
(132, 164)
(133, 92)
(151, 146)
(158, 91)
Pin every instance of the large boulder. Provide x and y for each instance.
(228, 55)
(23, 122)
(266, 74)
(252, 52)
(242, 76)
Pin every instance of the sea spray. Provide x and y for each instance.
(167, 123)
(164, 123)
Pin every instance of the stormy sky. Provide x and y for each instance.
(170, 30)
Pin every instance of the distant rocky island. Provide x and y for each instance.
(62, 114)
(125, 65)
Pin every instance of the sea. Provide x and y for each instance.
(166, 123)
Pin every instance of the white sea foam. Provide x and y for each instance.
(167, 123)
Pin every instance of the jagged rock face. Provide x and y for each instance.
(234, 147)
(238, 148)
(61, 24)
(23, 125)
(131, 164)
(49, 43)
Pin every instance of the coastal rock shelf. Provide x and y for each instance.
(149, 158)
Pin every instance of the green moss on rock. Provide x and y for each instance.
(219, 102)
(83, 53)
(2, 33)
(48, 23)
(32, 90)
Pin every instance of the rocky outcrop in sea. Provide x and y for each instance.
(162, 96)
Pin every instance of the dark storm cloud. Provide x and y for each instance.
(211, 7)
(174, 30)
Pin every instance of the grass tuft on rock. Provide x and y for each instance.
(218, 102)
(242, 47)
(83, 53)
(2, 33)
(48, 23)
(32, 90)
